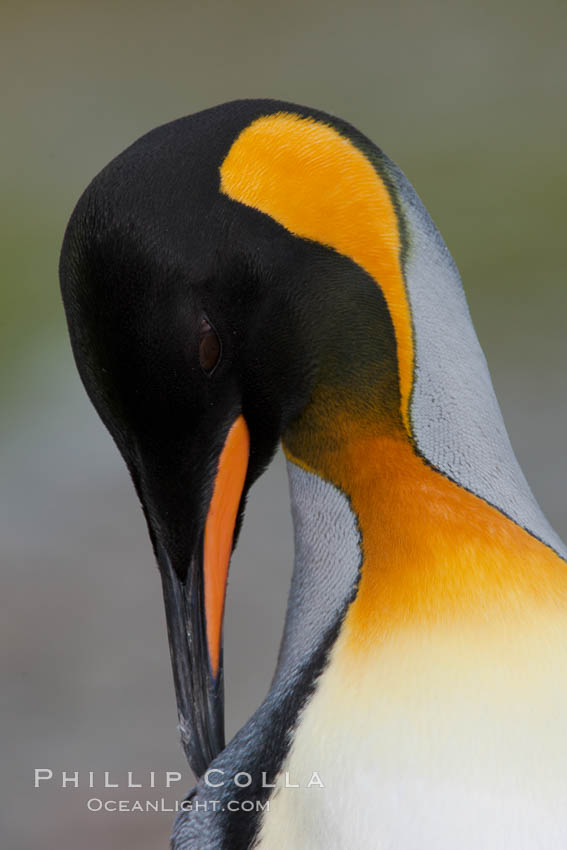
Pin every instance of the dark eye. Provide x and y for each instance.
(209, 347)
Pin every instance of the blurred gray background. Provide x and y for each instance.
(469, 99)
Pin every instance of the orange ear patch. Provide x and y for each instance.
(319, 186)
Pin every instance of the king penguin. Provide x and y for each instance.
(261, 273)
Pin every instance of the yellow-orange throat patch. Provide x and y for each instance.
(319, 186)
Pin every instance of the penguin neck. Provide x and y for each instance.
(411, 549)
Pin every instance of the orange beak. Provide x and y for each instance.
(219, 533)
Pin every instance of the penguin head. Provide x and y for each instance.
(204, 328)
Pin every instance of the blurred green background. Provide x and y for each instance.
(469, 99)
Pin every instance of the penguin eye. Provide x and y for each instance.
(209, 347)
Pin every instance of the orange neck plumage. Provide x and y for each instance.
(433, 554)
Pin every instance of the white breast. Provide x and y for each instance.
(436, 742)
